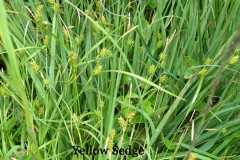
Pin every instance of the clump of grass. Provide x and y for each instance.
(161, 75)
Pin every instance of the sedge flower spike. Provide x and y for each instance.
(122, 122)
(233, 60)
(152, 69)
(203, 71)
(97, 70)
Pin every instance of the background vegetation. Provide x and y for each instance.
(162, 74)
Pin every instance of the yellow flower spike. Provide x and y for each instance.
(130, 116)
(79, 39)
(46, 83)
(159, 36)
(46, 40)
(2, 92)
(97, 69)
(208, 61)
(105, 52)
(123, 19)
(74, 118)
(21, 52)
(35, 66)
(203, 71)
(40, 111)
(38, 14)
(159, 44)
(95, 28)
(152, 69)
(233, 60)
(129, 5)
(37, 103)
(122, 122)
(162, 56)
(103, 19)
(112, 133)
(51, 1)
(56, 7)
(110, 144)
(192, 156)
(98, 113)
(236, 51)
(66, 34)
(73, 58)
(163, 63)
(163, 78)
(130, 43)
(98, 4)
(108, 30)
(224, 130)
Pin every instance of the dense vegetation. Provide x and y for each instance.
(163, 75)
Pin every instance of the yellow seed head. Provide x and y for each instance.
(97, 69)
(124, 19)
(87, 12)
(98, 113)
(129, 5)
(208, 61)
(2, 91)
(51, 1)
(110, 144)
(192, 156)
(39, 8)
(163, 63)
(79, 39)
(159, 44)
(203, 71)
(152, 69)
(66, 34)
(56, 7)
(122, 122)
(130, 43)
(236, 51)
(130, 116)
(21, 52)
(38, 14)
(98, 4)
(35, 66)
(105, 52)
(40, 111)
(224, 130)
(108, 30)
(37, 103)
(46, 83)
(103, 19)
(73, 58)
(95, 28)
(162, 56)
(74, 118)
(163, 78)
(46, 40)
(233, 60)
(159, 36)
(112, 133)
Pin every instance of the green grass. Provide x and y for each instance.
(122, 73)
